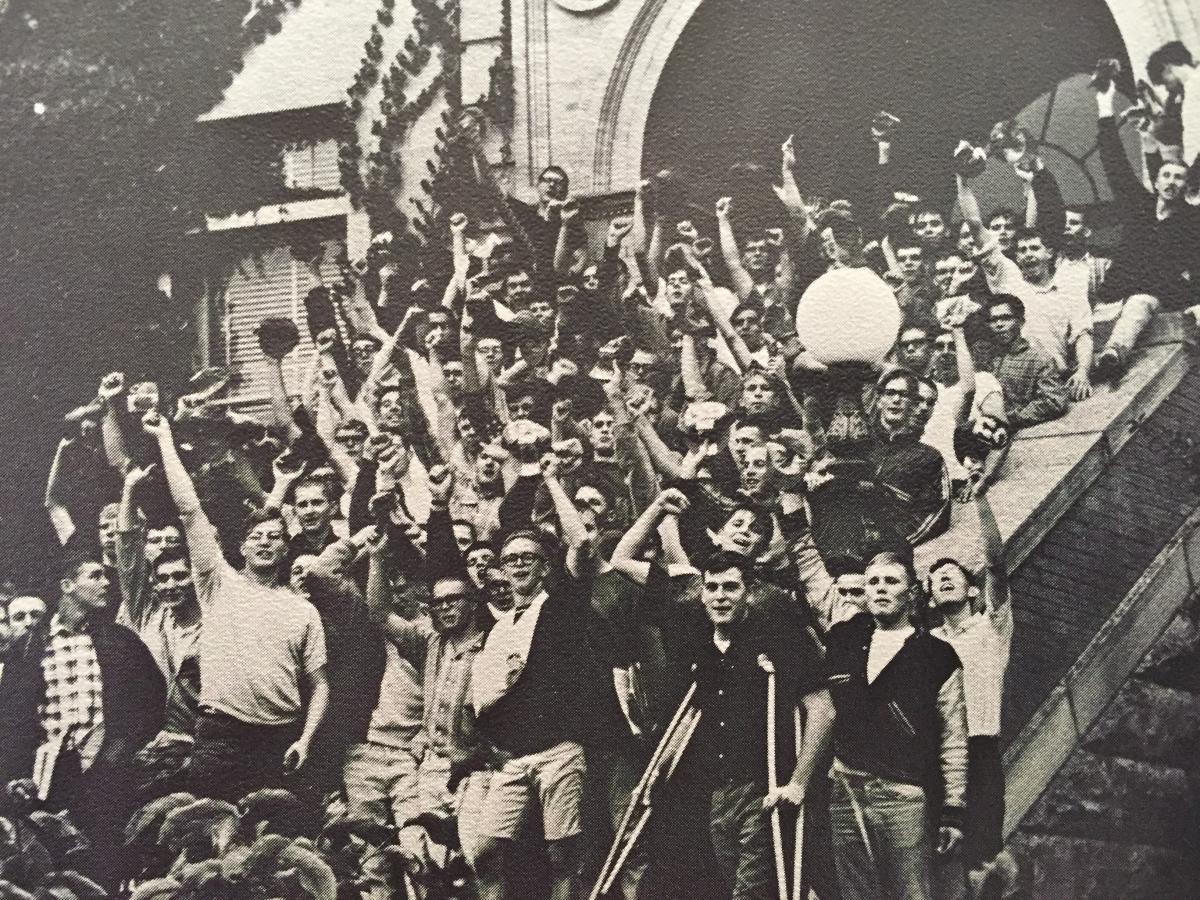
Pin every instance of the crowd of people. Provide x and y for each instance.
(589, 569)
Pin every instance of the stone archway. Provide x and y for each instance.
(658, 25)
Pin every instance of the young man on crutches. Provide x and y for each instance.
(729, 749)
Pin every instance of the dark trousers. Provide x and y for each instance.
(985, 801)
(232, 758)
(99, 802)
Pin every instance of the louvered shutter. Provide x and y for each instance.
(266, 285)
(312, 165)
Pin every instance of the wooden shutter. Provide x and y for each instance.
(312, 165)
(264, 285)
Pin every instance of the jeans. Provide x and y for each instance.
(985, 801)
(894, 860)
(741, 836)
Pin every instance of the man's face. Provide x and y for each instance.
(724, 596)
(1004, 324)
(364, 354)
(89, 587)
(755, 257)
(967, 244)
(748, 324)
(542, 310)
(492, 354)
(24, 614)
(949, 587)
(518, 288)
(173, 586)
(352, 440)
(464, 536)
(944, 365)
(640, 394)
(895, 403)
(521, 407)
(159, 539)
(453, 371)
(569, 454)
(909, 261)
(466, 430)
(591, 522)
(108, 531)
(888, 593)
(488, 467)
(265, 546)
(591, 278)
(7, 635)
(525, 564)
(740, 534)
(758, 395)
(923, 407)
(1004, 228)
(498, 588)
(642, 365)
(1073, 223)
(298, 573)
(589, 498)
(679, 287)
(1172, 77)
(533, 350)
(478, 562)
(741, 439)
(604, 435)
(916, 349)
(1033, 258)
(757, 470)
(391, 411)
(945, 274)
(851, 588)
(552, 186)
(313, 509)
(450, 605)
(439, 325)
(929, 226)
(1169, 182)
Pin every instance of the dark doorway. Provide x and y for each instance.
(745, 74)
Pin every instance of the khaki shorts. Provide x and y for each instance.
(499, 802)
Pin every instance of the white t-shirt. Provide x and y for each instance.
(254, 647)
(939, 430)
(884, 647)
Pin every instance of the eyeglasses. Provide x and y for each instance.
(521, 559)
(1003, 317)
(173, 578)
(447, 600)
(945, 343)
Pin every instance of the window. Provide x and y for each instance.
(312, 166)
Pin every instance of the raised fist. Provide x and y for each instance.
(458, 223)
(788, 152)
(724, 205)
(441, 484)
(969, 160)
(883, 126)
(112, 386)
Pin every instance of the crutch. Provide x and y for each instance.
(615, 856)
(772, 775)
(684, 736)
(798, 858)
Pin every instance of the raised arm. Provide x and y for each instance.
(737, 346)
(112, 391)
(203, 547)
(60, 516)
(580, 552)
(995, 594)
(1049, 401)
(670, 502)
(1126, 188)
(743, 284)
(281, 410)
(131, 548)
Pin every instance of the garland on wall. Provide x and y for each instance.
(372, 182)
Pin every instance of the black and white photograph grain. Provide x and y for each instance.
(599, 450)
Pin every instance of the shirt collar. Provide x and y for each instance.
(58, 628)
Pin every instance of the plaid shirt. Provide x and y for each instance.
(1034, 389)
(73, 711)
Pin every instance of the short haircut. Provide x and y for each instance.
(951, 561)
(750, 304)
(907, 239)
(478, 545)
(261, 514)
(1005, 212)
(761, 421)
(723, 560)
(1018, 307)
(171, 554)
(1172, 53)
(352, 425)
(898, 373)
(312, 481)
(1047, 237)
(764, 522)
(69, 567)
(929, 326)
(555, 170)
(900, 556)
(168, 523)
